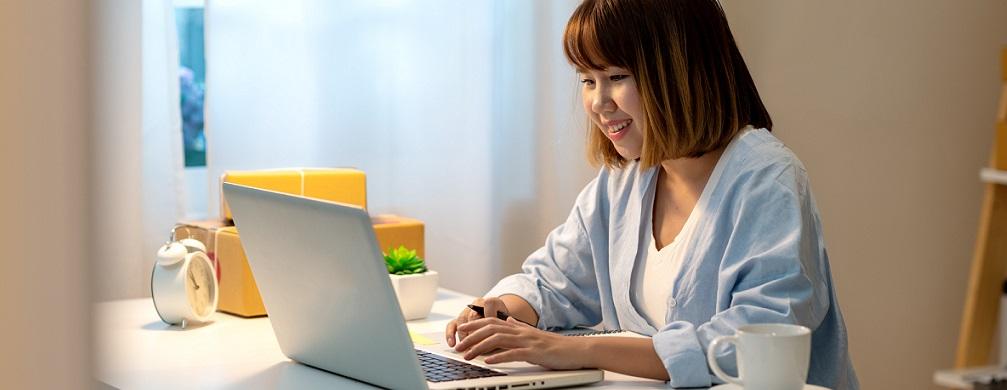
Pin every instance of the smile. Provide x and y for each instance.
(619, 126)
(618, 130)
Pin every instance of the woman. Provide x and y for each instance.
(700, 221)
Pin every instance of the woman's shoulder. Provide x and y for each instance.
(758, 154)
(759, 162)
(618, 184)
(628, 175)
(612, 188)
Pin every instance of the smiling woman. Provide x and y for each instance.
(613, 105)
(699, 222)
(694, 94)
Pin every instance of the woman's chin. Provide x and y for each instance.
(628, 155)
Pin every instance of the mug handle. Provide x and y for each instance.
(712, 360)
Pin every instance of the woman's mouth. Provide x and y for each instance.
(619, 129)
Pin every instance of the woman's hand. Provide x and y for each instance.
(513, 340)
(491, 306)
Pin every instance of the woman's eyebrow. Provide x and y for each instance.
(588, 71)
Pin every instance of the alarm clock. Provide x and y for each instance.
(183, 283)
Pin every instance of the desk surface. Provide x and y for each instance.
(135, 349)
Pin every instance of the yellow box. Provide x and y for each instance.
(344, 185)
(239, 295)
(393, 230)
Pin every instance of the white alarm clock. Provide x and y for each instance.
(183, 283)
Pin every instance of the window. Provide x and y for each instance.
(192, 80)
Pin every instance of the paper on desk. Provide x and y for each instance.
(419, 339)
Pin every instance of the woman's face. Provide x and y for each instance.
(613, 104)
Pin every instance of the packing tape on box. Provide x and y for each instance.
(216, 261)
(300, 170)
(216, 240)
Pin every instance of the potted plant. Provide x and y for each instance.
(415, 285)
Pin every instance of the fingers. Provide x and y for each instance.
(475, 331)
(492, 306)
(481, 329)
(492, 343)
(494, 352)
(451, 332)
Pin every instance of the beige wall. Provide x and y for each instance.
(890, 105)
(44, 119)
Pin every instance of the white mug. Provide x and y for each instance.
(770, 356)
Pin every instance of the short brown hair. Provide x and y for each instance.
(694, 86)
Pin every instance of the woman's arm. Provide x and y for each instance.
(512, 340)
(625, 355)
(557, 285)
(519, 308)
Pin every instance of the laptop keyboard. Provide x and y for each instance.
(441, 369)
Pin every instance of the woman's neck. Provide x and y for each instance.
(690, 172)
(680, 184)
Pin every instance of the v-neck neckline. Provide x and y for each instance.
(650, 197)
(691, 219)
(646, 203)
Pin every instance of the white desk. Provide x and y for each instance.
(962, 378)
(135, 349)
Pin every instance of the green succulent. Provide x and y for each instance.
(404, 261)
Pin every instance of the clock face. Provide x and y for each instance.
(199, 286)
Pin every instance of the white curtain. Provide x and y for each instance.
(462, 113)
(138, 142)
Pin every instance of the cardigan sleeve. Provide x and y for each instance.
(771, 272)
(558, 279)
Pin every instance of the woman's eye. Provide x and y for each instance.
(587, 82)
(618, 77)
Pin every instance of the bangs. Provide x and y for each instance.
(694, 87)
(581, 43)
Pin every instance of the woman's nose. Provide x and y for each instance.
(602, 102)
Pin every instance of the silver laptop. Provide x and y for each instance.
(331, 304)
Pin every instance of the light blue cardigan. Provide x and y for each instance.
(757, 256)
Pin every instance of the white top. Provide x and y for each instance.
(652, 284)
(654, 276)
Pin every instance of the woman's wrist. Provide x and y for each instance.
(626, 355)
(519, 308)
(584, 348)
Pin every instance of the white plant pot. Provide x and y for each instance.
(416, 293)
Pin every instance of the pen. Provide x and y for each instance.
(479, 310)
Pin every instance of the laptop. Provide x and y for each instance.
(332, 306)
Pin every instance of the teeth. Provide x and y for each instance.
(617, 128)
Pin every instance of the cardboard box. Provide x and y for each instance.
(239, 294)
(344, 185)
(202, 231)
(393, 230)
